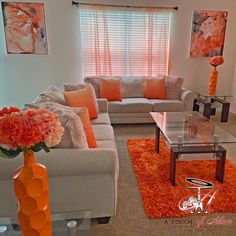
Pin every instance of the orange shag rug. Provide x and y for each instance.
(160, 198)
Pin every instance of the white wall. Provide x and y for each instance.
(24, 76)
(233, 92)
(196, 71)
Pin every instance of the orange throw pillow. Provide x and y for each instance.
(110, 89)
(155, 88)
(84, 97)
(83, 113)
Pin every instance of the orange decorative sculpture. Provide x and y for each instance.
(30, 131)
(214, 61)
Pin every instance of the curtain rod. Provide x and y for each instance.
(107, 5)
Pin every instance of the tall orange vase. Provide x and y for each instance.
(213, 82)
(31, 188)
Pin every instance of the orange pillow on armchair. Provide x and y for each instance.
(84, 97)
(110, 89)
(155, 88)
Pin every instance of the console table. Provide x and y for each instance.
(209, 101)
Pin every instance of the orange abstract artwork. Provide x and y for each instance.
(208, 33)
(25, 28)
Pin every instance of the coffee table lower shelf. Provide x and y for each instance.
(175, 151)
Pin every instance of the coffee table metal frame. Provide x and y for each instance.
(175, 151)
(178, 148)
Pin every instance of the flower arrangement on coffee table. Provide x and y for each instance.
(30, 131)
(214, 61)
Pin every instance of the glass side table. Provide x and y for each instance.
(209, 102)
(63, 224)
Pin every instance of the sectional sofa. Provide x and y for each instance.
(135, 108)
(86, 179)
(79, 179)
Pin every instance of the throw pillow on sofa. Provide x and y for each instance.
(154, 88)
(83, 97)
(83, 114)
(54, 94)
(173, 87)
(74, 134)
(110, 89)
(132, 87)
(95, 82)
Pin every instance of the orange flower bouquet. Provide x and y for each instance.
(33, 129)
(214, 61)
(30, 131)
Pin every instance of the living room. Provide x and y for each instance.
(23, 77)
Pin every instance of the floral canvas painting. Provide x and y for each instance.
(208, 33)
(25, 28)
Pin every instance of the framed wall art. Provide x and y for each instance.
(208, 33)
(25, 27)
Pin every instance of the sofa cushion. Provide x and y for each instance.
(110, 89)
(167, 105)
(95, 82)
(83, 113)
(84, 97)
(136, 105)
(103, 118)
(54, 94)
(115, 107)
(173, 87)
(103, 132)
(155, 87)
(74, 134)
(73, 87)
(132, 87)
(109, 144)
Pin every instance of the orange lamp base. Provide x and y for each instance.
(213, 82)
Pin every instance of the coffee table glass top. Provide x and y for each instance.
(204, 93)
(190, 128)
(61, 226)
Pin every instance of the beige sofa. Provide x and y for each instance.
(79, 179)
(134, 108)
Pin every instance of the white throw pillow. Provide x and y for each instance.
(132, 87)
(74, 135)
(55, 94)
(173, 87)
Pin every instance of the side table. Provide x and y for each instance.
(208, 101)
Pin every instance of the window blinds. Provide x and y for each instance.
(124, 42)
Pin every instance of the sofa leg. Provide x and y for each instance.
(103, 220)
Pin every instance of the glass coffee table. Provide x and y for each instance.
(192, 133)
(210, 102)
(63, 224)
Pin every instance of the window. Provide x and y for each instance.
(124, 42)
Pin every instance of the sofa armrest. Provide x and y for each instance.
(187, 97)
(102, 104)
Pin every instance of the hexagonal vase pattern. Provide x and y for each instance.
(31, 189)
